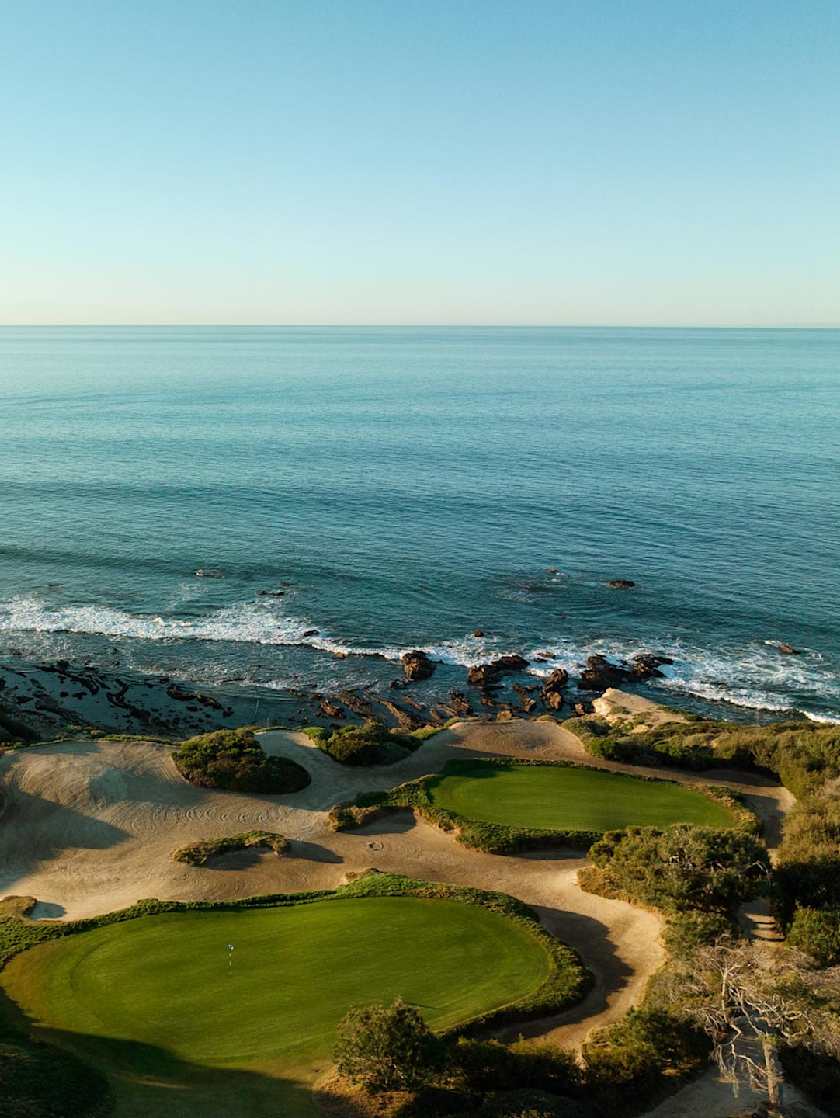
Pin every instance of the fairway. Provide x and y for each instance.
(169, 985)
(565, 798)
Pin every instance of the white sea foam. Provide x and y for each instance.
(755, 676)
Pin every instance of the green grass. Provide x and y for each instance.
(565, 798)
(154, 1001)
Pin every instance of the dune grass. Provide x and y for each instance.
(160, 1002)
(567, 798)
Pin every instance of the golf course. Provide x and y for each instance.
(263, 988)
(221, 998)
(560, 797)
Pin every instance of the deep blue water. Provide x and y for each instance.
(409, 485)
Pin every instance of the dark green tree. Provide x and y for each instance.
(387, 1047)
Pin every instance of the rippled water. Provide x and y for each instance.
(405, 486)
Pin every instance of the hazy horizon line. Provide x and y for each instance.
(420, 325)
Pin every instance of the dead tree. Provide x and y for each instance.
(751, 1002)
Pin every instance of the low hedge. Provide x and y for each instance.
(566, 983)
(234, 761)
(496, 838)
(200, 852)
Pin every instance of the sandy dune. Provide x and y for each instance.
(90, 826)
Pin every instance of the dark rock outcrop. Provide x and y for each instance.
(417, 665)
(788, 649)
(621, 584)
(478, 632)
(460, 703)
(552, 688)
(600, 673)
(527, 703)
(488, 675)
(646, 665)
(330, 709)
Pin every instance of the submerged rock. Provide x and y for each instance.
(621, 584)
(788, 649)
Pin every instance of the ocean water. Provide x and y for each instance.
(404, 487)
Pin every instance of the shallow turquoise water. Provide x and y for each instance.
(410, 485)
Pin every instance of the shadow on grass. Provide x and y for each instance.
(54, 1073)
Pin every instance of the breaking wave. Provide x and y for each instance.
(754, 676)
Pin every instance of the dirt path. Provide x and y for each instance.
(90, 826)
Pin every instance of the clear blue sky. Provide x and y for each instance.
(420, 161)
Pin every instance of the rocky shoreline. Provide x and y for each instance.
(47, 698)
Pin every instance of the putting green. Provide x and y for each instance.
(563, 798)
(162, 992)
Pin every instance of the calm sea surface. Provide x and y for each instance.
(406, 486)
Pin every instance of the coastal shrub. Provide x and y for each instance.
(528, 1103)
(817, 933)
(234, 761)
(387, 1048)
(42, 1081)
(686, 745)
(816, 1074)
(368, 744)
(808, 868)
(804, 755)
(489, 1065)
(198, 853)
(689, 929)
(682, 867)
(630, 1062)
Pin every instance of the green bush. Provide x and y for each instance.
(634, 1059)
(387, 1048)
(692, 928)
(808, 870)
(199, 852)
(682, 867)
(368, 744)
(234, 761)
(489, 1065)
(817, 933)
(802, 754)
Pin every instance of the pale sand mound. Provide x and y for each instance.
(618, 706)
(90, 827)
